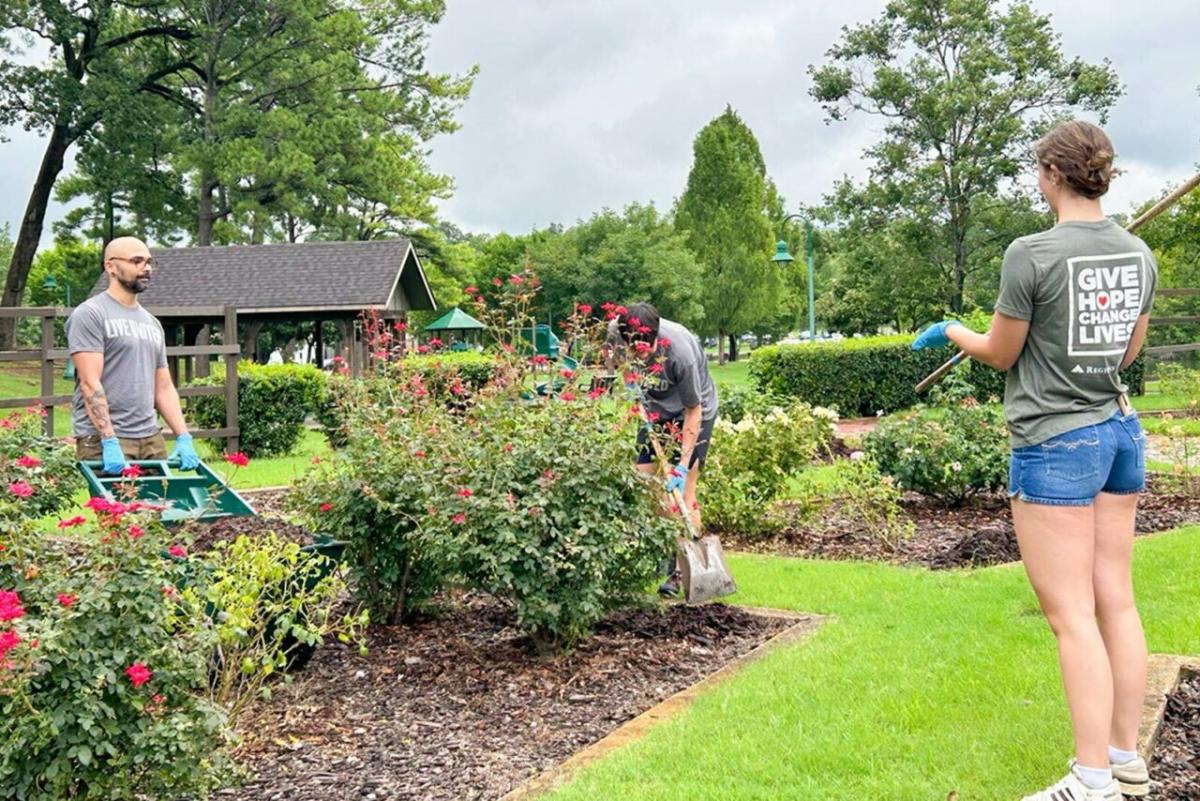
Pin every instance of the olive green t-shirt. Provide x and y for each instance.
(1082, 287)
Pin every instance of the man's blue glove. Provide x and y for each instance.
(934, 336)
(185, 452)
(678, 478)
(113, 456)
(633, 391)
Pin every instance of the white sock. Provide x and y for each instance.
(1094, 778)
(1119, 757)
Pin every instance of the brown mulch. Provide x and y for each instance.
(459, 707)
(271, 517)
(975, 535)
(1176, 763)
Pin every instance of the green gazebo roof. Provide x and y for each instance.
(455, 320)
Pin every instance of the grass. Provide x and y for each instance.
(272, 472)
(732, 374)
(922, 683)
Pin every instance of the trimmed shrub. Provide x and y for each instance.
(854, 490)
(737, 402)
(440, 369)
(273, 401)
(862, 377)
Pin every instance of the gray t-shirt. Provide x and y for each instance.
(1082, 287)
(684, 381)
(133, 346)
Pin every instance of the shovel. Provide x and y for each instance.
(701, 560)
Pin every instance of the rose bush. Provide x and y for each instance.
(750, 461)
(951, 450)
(37, 473)
(103, 674)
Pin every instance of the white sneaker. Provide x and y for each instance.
(1133, 777)
(1072, 788)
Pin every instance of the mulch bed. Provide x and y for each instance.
(975, 535)
(1175, 768)
(459, 707)
(271, 517)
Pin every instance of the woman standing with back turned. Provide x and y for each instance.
(1073, 309)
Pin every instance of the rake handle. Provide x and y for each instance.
(1145, 217)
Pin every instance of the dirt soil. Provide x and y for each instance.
(459, 707)
(1175, 768)
(978, 534)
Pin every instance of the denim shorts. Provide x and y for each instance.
(1073, 468)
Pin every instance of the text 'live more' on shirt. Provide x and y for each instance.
(1082, 286)
(133, 345)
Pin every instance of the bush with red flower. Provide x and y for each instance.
(531, 498)
(37, 473)
(103, 677)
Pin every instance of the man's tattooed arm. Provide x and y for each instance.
(96, 404)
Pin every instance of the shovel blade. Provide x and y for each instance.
(703, 571)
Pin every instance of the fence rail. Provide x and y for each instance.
(49, 353)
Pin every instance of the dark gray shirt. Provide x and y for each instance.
(1082, 287)
(684, 382)
(133, 346)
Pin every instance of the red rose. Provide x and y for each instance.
(465, 493)
(8, 640)
(136, 532)
(28, 461)
(596, 393)
(608, 306)
(567, 396)
(459, 519)
(21, 489)
(656, 368)
(471, 290)
(401, 327)
(325, 507)
(78, 520)
(131, 471)
(585, 309)
(497, 282)
(177, 551)
(508, 447)
(67, 599)
(516, 280)
(138, 674)
(238, 459)
(568, 373)
(10, 605)
(168, 591)
(663, 342)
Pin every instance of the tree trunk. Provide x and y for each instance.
(733, 347)
(30, 232)
(250, 341)
(720, 346)
(206, 216)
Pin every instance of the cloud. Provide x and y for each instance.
(592, 103)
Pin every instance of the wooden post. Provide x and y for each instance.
(48, 372)
(190, 334)
(319, 343)
(231, 382)
(172, 335)
(203, 363)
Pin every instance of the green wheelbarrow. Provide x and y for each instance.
(199, 495)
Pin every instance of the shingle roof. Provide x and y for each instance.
(303, 276)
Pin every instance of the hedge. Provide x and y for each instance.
(861, 377)
(273, 401)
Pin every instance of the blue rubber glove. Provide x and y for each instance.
(633, 391)
(185, 452)
(113, 456)
(678, 478)
(934, 336)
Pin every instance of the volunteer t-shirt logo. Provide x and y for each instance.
(1106, 299)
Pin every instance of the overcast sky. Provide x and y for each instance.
(583, 104)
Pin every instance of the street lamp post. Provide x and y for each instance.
(782, 256)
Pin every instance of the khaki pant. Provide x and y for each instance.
(88, 449)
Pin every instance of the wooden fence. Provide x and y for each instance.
(48, 353)
(1166, 350)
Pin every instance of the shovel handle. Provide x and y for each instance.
(675, 494)
(937, 374)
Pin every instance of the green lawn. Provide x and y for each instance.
(731, 374)
(274, 472)
(922, 683)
